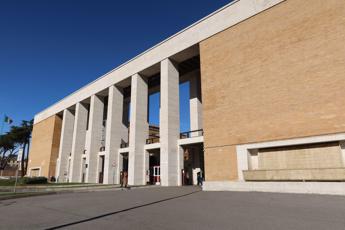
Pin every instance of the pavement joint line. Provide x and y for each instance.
(25, 195)
(20, 195)
(122, 211)
(64, 212)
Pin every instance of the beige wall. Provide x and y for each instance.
(45, 145)
(277, 75)
(323, 174)
(220, 163)
(326, 155)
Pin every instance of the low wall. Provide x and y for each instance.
(321, 174)
(329, 188)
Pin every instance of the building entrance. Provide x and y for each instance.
(194, 166)
(153, 172)
(101, 170)
(123, 164)
(83, 170)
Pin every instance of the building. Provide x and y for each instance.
(267, 87)
(12, 165)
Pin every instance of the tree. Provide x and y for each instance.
(28, 126)
(8, 149)
(22, 136)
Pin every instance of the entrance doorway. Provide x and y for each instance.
(83, 170)
(125, 162)
(123, 166)
(101, 169)
(153, 173)
(194, 165)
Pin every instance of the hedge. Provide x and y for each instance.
(24, 181)
(34, 180)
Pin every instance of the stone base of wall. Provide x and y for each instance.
(325, 174)
(327, 188)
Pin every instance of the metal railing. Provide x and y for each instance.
(152, 140)
(103, 133)
(124, 145)
(193, 133)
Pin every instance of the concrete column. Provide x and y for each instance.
(65, 148)
(78, 142)
(180, 165)
(170, 159)
(120, 164)
(139, 129)
(242, 161)
(195, 104)
(147, 166)
(95, 136)
(113, 136)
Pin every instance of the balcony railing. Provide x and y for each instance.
(124, 145)
(152, 140)
(193, 133)
(103, 132)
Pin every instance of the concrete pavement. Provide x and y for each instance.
(174, 208)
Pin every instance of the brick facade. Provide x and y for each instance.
(45, 146)
(277, 75)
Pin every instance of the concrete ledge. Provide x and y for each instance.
(329, 188)
(191, 140)
(321, 174)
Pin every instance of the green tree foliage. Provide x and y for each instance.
(18, 137)
(8, 149)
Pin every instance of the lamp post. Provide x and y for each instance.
(19, 159)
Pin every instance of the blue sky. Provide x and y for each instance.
(48, 49)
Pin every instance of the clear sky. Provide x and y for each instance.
(49, 49)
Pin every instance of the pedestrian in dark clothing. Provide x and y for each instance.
(199, 178)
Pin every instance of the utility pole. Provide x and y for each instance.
(19, 159)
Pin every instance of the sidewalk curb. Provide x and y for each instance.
(24, 194)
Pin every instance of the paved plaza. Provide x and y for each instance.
(174, 208)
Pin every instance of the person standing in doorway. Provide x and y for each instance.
(125, 179)
(199, 178)
(187, 178)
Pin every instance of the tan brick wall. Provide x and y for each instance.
(45, 145)
(334, 174)
(302, 157)
(219, 163)
(277, 75)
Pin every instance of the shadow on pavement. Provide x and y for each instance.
(120, 211)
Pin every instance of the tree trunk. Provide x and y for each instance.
(22, 161)
(27, 157)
